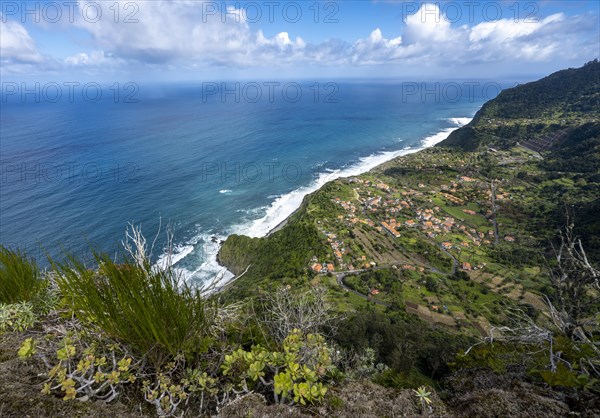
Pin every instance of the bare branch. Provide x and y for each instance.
(310, 312)
(135, 244)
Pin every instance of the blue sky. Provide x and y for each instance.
(199, 40)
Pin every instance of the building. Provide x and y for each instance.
(390, 229)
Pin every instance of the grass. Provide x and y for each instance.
(149, 309)
(20, 279)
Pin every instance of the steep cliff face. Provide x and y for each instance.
(284, 254)
(560, 101)
(236, 253)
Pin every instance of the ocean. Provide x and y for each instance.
(210, 159)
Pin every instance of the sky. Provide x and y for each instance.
(191, 40)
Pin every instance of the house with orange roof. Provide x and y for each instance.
(317, 267)
(330, 268)
(390, 229)
(466, 266)
(382, 186)
(374, 201)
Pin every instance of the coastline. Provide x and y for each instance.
(226, 278)
(211, 274)
(281, 224)
(427, 143)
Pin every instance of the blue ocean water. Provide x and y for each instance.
(209, 160)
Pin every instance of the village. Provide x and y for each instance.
(378, 208)
(424, 240)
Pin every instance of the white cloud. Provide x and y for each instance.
(508, 29)
(375, 49)
(182, 35)
(82, 58)
(170, 31)
(429, 38)
(16, 45)
(538, 41)
(429, 25)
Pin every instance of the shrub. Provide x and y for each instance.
(85, 371)
(293, 375)
(20, 279)
(149, 309)
(16, 317)
(177, 383)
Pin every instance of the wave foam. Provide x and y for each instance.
(285, 205)
(179, 253)
(280, 209)
(430, 141)
(205, 248)
(460, 121)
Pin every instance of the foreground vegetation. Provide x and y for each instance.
(132, 329)
(134, 337)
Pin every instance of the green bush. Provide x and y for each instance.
(293, 375)
(151, 310)
(85, 371)
(20, 279)
(16, 317)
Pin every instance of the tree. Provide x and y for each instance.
(575, 284)
(573, 303)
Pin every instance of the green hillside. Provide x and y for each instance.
(563, 100)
